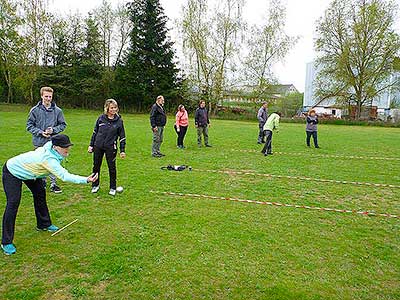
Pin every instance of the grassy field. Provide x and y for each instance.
(143, 245)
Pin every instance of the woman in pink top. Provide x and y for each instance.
(181, 125)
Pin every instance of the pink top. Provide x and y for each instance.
(181, 118)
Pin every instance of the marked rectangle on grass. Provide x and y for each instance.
(325, 155)
(242, 172)
(278, 204)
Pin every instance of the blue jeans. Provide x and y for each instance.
(315, 138)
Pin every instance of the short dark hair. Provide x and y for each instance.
(279, 113)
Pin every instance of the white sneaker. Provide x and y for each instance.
(95, 189)
(112, 192)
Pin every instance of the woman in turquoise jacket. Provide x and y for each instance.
(30, 168)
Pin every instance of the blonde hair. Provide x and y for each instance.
(46, 89)
(108, 103)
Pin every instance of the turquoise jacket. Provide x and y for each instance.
(39, 164)
(272, 122)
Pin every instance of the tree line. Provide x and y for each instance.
(121, 53)
(126, 52)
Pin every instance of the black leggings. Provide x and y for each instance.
(181, 134)
(111, 155)
(12, 188)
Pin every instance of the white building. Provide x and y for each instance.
(329, 106)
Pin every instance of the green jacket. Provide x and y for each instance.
(272, 122)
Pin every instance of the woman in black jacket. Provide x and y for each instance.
(109, 127)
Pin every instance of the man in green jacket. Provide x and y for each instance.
(271, 124)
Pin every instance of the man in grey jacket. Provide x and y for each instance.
(45, 120)
(262, 117)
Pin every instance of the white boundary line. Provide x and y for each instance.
(347, 211)
(240, 172)
(325, 155)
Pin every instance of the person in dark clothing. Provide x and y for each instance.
(109, 127)
(262, 117)
(311, 128)
(202, 122)
(45, 120)
(158, 119)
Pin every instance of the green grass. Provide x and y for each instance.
(141, 245)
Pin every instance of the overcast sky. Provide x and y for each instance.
(301, 18)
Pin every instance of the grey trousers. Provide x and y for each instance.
(202, 130)
(157, 140)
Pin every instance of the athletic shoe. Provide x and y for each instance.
(95, 189)
(156, 155)
(55, 189)
(159, 153)
(8, 249)
(208, 146)
(51, 228)
(112, 192)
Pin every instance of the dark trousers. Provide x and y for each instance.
(315, 138)
(181, 134)
(111, 155)
(268, 142)
(261, 136)
(12, 188)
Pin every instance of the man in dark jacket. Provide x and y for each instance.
(45, 120)
(202, 123)
(262, 117)
(158, 119)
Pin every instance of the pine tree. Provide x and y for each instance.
(90, 68)
(148, 69)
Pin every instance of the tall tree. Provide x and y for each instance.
(123, 29)
(210, 42)
(357, 45)
(104, 16)
(90, 68)
(36, 22)
(10, 45)
(149, 67)
(267, 44)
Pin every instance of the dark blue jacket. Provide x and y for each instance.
(201, 117)
(106, 133)
(157, 116)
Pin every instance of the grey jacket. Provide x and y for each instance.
(41, 118)
(312, 123)
(262, 115)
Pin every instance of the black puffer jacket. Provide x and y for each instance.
(157, 116)
(106, 133)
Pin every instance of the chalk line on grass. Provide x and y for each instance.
(240, 172)
(324, 155)
(278, 204)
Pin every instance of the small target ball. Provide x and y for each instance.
(120, 189)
